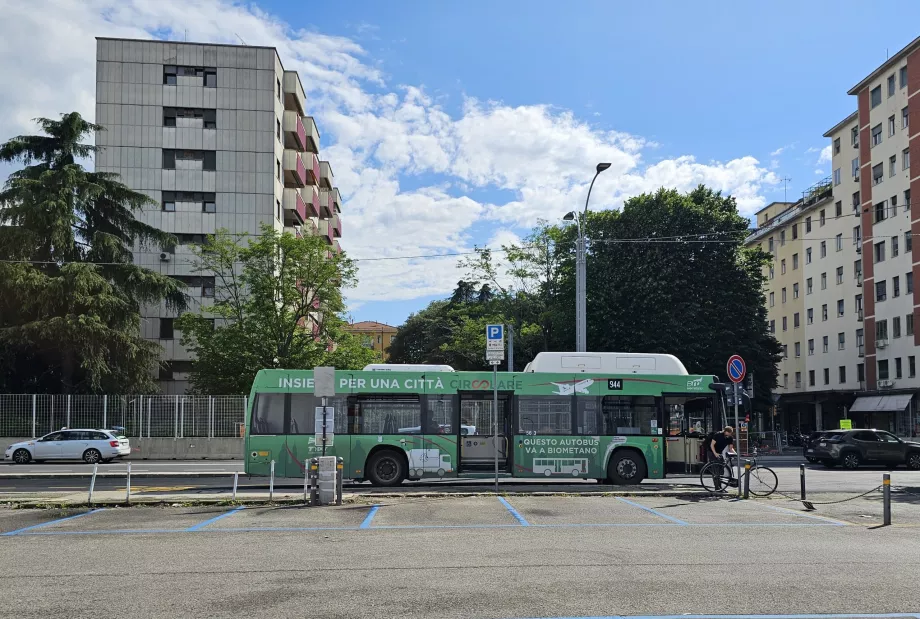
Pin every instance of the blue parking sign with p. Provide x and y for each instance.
(494, 332)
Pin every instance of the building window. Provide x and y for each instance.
(857, 235)
(771, 272)
(823, 249)
(909, 324)
(206, 200)
(278, 129)
(836, 146)
(824, 312)
(795, 290)
(795, 262)
(782, 238)
(824, 343)
(827, 376)
(784, 295)
(907, 199)
(795, 321)
(785, 381)
(881, 211)
(808, 255)
(811, 378)
(860, 372)
(207, 286)
(891, 125)
(785, 324)
(810, 315)
(838, 209)
(896, 327)
(811, 347)
(839, 275)
(892, 165)
(894, 246)
(208, 117)
(782, 266)
(808, 286)
(883, 369)
(894, 205)
(821, 217)
(278, 169)
(905, 118)
(854, 136)
(807, 225)
(824, 281)
(905, 159)
(909, 282)
(798, 380)
(279, 89)
(168, 205)
(911, 366)
(876, 135)
(772, 326)
(839, 240)
(166, 329)
(895, 287)
(857, 304)
(875, 96)
(854, 169)
(795, 231)
(210, 79)
(785, 351)
(881, 330)
(881, 290)
(842, 370)
(772, 299)
(840, 308)
(902, 74)
(879, 251)
(856, 201)
(878, 174)
(897, 367)
(169, 75)
(278, 206)
(891, 88)
(208, 158)
(857, 270)
(837, 176)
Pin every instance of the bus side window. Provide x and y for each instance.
(268, 414)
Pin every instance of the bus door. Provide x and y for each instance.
(689, 418)
(477, 443)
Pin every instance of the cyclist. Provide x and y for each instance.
(720, 444)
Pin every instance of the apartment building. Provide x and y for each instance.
(374, 335)
(217, 136)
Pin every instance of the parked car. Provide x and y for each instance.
(91, 446)
(851, 448)
(809, 442)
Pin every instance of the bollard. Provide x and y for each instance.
(314, 481)
(236, 480)
(339, 469)
(802, 481)
(886, 499)
(747, 477)
(92, 484)
(306, 481)
(271, 482)
(128, 485)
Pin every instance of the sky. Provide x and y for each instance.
(456, 125)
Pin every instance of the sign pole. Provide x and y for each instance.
(324, 423)
(737, 432)
(495, 417)
(737, 369)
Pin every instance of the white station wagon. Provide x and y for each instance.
(91, 446)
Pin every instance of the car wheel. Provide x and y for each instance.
(92, 456)
(386, 468)
(850, 461)
(913, 460)
(22, 456)
(829, 463)
(626, 467)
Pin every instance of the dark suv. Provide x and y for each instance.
(850, 448)
(808, 442)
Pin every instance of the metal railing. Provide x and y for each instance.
(174, 416)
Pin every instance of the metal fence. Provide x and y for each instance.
(174, 416)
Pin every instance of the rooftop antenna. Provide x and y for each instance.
(186, 35)
(241, 39)
(785, 180)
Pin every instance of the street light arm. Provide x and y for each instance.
(590, 187)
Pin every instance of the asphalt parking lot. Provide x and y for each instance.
(482, 556)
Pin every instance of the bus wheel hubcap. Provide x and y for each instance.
(386, 469)
(626, 468)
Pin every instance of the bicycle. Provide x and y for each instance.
(718, 475)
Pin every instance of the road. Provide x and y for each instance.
(471, 557)
(214, 475)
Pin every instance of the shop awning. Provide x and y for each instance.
(881, 403)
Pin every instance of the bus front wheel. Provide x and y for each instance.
(626, 467)
(386, 468)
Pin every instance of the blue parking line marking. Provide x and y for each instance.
(50, 522)
(786, 510)
(654, 511)
(514, 512)
(201, 525)
(370, 517)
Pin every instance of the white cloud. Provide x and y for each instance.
(825, 156)
(379, 137)
(778, 151)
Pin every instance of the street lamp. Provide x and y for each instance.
(581, 301)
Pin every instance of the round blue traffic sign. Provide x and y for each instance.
(736, 369)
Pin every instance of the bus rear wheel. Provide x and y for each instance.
(386, 468)
(626, 467)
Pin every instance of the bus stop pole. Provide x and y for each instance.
(737, 442)
(495, 417)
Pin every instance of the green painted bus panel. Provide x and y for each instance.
(427, 456)
(581, 456)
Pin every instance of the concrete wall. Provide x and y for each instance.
(174, 449)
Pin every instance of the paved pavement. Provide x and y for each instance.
(461, 557)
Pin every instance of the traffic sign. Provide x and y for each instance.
(495, 356)
(736, 369)
(495, 337)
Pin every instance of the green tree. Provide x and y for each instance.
(70, 295)
(278, 300)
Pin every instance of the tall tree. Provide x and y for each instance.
(278, 301)
(70, 295)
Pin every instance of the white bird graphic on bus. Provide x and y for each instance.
(579, 387)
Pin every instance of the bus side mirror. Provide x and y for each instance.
(720, 387)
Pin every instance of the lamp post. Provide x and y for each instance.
(581, 300)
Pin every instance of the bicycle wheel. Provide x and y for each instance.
(715, 477)
(763, 481)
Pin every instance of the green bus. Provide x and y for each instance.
(412, 422)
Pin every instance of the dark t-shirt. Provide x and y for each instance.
(721, 441)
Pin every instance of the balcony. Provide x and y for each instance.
(311, 199)
(326, 208)
(294, 99)
(336, 225)
(337, 200)
(336, 247)
(312, 163)
(325, 230)
(295, 135)
(295, 173)
(295, 210)
(326, 179)
(312, 134)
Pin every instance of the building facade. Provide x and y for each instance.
(218, 137)
(374, 335)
